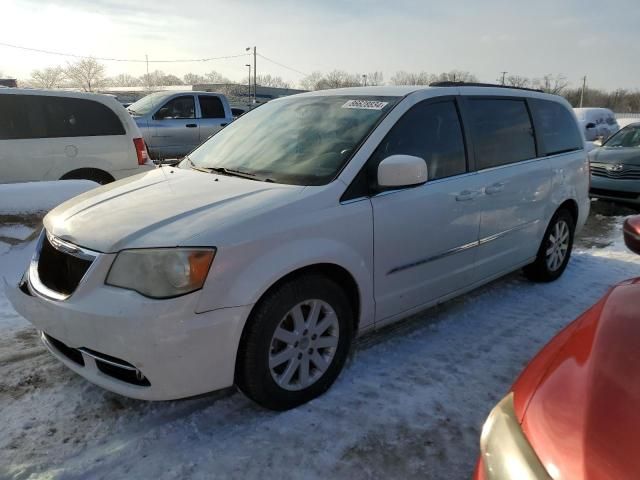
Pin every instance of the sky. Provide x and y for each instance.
(569, 37)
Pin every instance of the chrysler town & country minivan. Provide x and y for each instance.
(310, 220)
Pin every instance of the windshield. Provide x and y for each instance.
(146, 104)
(298, 140)
(628, 137)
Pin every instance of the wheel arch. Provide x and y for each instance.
(333, 271)
(571, 206)
(88, 173)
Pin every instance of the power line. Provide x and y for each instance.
(129, 60)
(282, 65)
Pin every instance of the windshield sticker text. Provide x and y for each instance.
(365, 104)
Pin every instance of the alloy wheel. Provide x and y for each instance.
(558, 245)
(303, 345)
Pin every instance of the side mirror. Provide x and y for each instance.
(402, 171)
(631, 232)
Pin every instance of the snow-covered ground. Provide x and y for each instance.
(38, 197)
(410, 403)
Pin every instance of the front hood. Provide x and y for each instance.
(161, 208)
(583, 420)
(625, 156)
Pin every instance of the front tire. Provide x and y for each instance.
(295, 343)
(555, 250)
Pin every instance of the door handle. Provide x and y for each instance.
(191, 125)
(466, 195)
(224, 124)
(495, 188)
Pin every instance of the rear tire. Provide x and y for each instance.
(555, 250)
(296, 343)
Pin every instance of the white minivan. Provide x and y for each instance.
(309, 220)
(59, 135)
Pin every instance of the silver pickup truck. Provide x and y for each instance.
(174, 123)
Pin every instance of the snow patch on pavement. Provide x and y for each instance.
(39, 197)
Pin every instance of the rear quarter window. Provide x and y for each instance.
(79, 117)
(502, 131)
(556, 127)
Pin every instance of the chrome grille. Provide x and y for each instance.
(58, 267)
(614, 171)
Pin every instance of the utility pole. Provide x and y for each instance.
(584, 86)
(255, 84)
(148, 79)
(503, 75)
(249, 65)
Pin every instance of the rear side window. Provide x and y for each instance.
(556, 127)
(502, 132)
(211, 107)
(78, 117)
(21, 117)
(430, 131)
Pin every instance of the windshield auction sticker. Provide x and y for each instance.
(365, 104)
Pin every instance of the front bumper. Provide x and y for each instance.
(181, 353)
(615, 189)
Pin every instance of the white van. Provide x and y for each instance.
(309, 220)
(597, 123)
(53, 135)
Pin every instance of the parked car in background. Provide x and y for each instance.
(597, 123)
(174, 123)
(573, 412)
(52, 135)
(615, 167)
(309, 220)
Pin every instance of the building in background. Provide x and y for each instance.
(8, 82)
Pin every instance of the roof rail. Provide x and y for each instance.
(476, 84)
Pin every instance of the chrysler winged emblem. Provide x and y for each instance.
(616, 168)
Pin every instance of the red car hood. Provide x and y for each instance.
(583, 419)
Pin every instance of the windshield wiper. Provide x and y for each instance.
(195, 167)
(234, 173)
(231, 172)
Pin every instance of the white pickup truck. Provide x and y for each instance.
(174, 123)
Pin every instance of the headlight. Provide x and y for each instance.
(161, 272)
(506, 452)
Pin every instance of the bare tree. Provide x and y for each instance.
(170, 80)
(271, 81)
(215, 77)
(311, 81)
(454, 76)
(375, 78)
(411, 78)
(193, 79)
(86, 73)
(555, 84)
(338, 79)
(517, 81)
(124, 80)
(51, 77)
